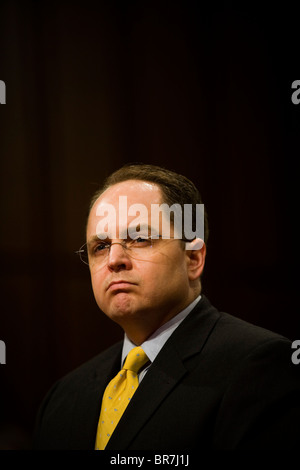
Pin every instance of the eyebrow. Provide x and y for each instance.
(139, 228)
(95, 239)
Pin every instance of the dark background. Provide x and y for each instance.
(204, 90)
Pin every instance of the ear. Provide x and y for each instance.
(196, 252)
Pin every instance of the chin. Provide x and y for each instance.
(122, 305)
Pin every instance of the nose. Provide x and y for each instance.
(118, 258)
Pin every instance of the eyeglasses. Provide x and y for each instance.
(139, 248)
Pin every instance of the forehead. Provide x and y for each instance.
(136, 191)
(133, 191)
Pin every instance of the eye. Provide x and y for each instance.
(141, 241)
(100, 248)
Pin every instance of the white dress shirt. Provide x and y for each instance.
(156, 341)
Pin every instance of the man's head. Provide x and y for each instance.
(142, 291)
(175, 188)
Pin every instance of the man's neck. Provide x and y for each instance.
(140, 329)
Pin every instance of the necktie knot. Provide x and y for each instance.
(135, 359)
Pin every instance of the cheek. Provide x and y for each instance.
(97, 283)
(163, 274)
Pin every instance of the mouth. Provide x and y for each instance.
(119, 285)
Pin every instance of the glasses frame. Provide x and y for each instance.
(123, 244)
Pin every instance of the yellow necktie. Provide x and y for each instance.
(117, 395)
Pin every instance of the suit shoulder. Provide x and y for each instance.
(246, 330)
(233, 334)
(233, 330)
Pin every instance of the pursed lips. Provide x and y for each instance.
(119, 284)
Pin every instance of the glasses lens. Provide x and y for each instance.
(141, 249)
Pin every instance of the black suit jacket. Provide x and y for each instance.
(218, 383)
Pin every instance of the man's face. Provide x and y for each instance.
(150, 290)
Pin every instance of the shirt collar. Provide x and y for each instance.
(156, 341)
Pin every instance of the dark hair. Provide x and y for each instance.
(175, 188)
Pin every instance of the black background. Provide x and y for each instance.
(203, 89)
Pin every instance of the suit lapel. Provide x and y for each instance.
(171, 365)
(89, 397)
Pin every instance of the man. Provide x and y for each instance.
(207, 380)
